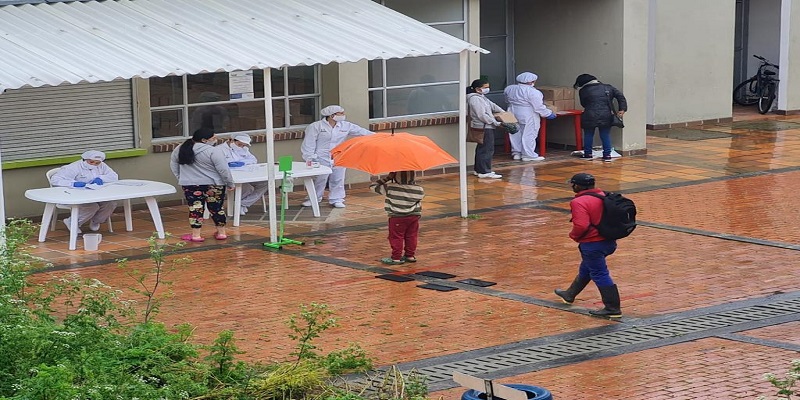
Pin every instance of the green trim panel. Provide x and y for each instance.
(61, 160)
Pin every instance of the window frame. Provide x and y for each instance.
(384, 88)
(286, 98)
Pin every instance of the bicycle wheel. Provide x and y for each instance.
(766, 98)
(744, 95)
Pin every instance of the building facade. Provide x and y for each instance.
(677, 62)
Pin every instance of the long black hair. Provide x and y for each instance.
(186, 152)
(476, 84)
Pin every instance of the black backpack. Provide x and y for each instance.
(619, 215)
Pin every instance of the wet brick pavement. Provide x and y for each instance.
(718, 235)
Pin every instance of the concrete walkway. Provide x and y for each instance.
(709, 283)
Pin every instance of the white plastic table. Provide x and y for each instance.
(125, 190)
(258, 173)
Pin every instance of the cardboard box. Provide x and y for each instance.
(568, 93)
(556, 93)
(505, 116)
(565, 104)
(550, 93)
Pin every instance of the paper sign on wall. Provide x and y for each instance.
(240, 84)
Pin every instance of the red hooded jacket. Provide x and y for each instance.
(586, 213)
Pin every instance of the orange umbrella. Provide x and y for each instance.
(385, 152)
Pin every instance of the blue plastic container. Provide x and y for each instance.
(533, 392)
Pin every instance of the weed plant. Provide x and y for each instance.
(787, 385)
(76, 338)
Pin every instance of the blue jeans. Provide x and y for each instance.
(593, 261)
(605, 137)
(484, 152)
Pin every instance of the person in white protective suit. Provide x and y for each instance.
(320, 138)
(87, 173)
(237, 153)
(527, 104)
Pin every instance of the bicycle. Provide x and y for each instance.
(760, 88)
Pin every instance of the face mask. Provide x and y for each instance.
(339, 118)
(90, 166)
(485, 90)
(211, 142)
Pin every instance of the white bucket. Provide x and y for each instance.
(91, 241)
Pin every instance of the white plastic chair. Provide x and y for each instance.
(49, 174)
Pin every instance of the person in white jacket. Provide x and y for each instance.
(203, 172)
(237, 152)
(481, 112)
(527, 104)
(320, 138)
(88, 172)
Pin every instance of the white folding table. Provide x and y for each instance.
(124, 190)
(258, 173)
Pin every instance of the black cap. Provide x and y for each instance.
(583, 79)
(582, 179)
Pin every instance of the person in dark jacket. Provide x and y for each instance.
(586, 213)
(596, 98)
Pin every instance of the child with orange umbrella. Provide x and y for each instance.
(404, 205)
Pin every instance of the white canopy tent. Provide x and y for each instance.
(93, 41)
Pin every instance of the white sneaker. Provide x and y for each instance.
(306, 203)
(539, 158)
(243, 210)
(516, 157)
(338, 204)
(67, 222)
(94, 227)
(475, 173)
(490, 175)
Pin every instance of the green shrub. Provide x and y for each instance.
(75, 338)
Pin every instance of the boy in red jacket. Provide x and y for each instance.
(586, 213)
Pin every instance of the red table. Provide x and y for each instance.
(576, 117)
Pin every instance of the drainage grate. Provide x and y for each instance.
(688, 134)
(772, 126)
(440, 375)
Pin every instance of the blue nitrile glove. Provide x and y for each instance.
(235, 164)
(551, 116)
(97, 181)
(79, 184)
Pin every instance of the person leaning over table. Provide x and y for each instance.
(90, 169)
(320, 138)
(527, 104)
(202, 171)
(237, 152)
(596, 100)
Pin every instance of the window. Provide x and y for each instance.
(419, 85)
(232, 102)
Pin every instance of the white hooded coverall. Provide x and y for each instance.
(251, 192)
(320, 138)
(527, 104)
(81, 171)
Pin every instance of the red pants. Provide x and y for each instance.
(403, 231)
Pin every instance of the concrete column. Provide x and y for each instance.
(635, 49)
(789, 73)
(353, 86)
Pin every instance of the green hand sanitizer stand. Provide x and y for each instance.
(285, 166)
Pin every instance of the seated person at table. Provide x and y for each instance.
(237, 153)
(90, 169)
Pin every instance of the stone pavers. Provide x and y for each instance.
(718, 227)
(704, 369)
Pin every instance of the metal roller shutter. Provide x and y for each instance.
(69, 119)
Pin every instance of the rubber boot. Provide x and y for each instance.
(568, 296)
(610, 296)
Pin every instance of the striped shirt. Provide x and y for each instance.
(403, 200)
